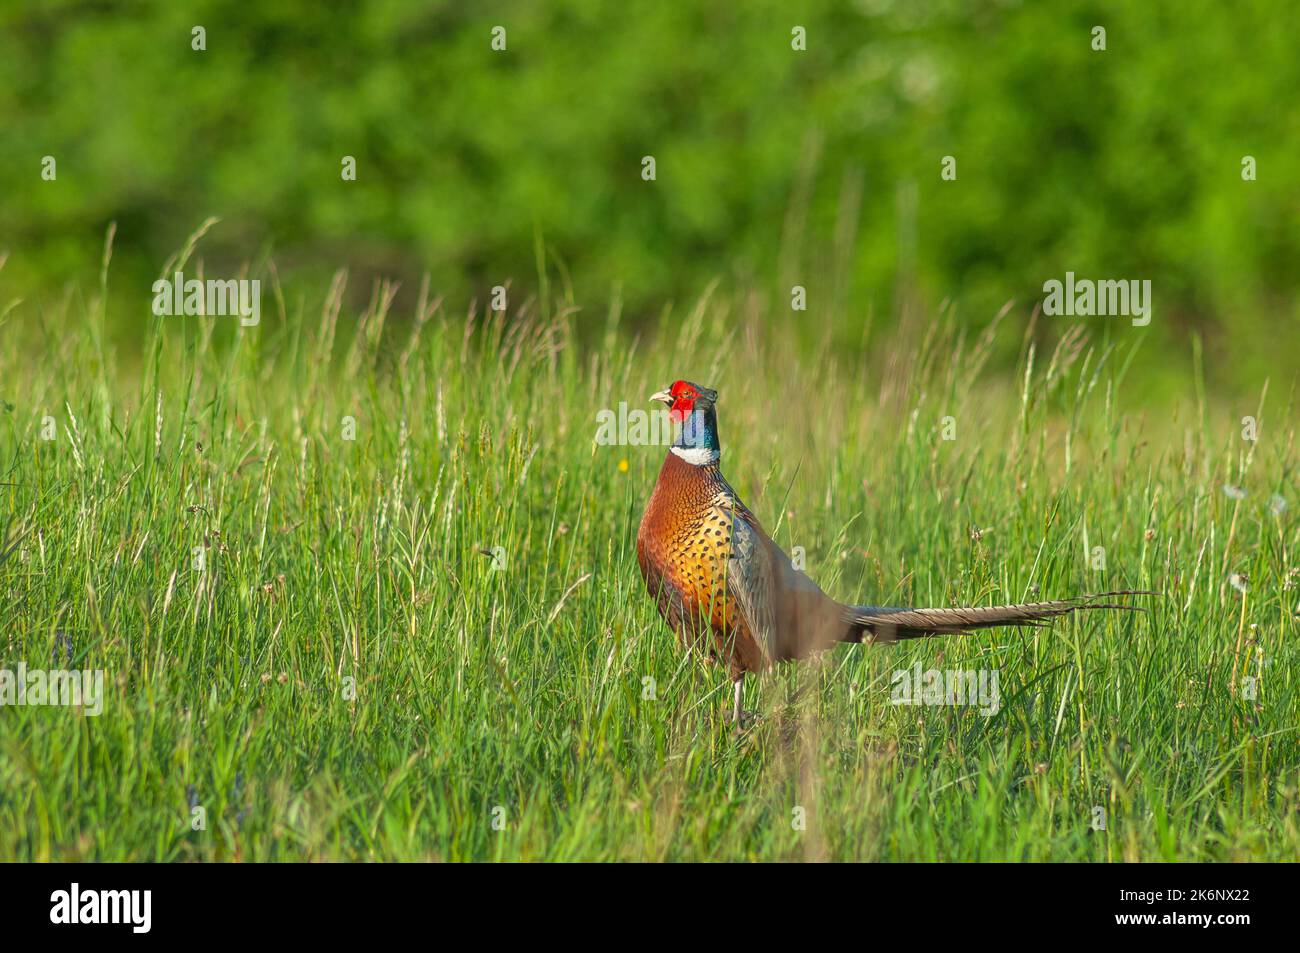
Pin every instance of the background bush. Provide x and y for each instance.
(775, 167)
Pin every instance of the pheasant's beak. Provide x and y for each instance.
(663, 395)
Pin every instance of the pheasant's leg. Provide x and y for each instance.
(736, 713)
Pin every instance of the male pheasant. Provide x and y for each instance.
(731, 594)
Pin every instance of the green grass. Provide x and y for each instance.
(330, 563)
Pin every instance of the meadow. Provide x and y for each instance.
(363, 586)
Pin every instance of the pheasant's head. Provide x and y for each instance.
(684, 397)
(692, 406)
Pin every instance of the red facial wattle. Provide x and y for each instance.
(683, 401)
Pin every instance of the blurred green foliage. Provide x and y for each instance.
(774, 166)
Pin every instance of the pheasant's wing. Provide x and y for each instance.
(788, 614)
(752, 576)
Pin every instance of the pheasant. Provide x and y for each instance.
(732, 595)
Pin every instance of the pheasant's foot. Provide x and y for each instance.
(738, 716)
(746, 720)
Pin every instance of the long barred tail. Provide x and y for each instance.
(879, 624)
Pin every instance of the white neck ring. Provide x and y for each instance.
(696, 456)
